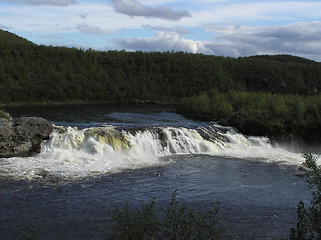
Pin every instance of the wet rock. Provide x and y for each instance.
(22, 137)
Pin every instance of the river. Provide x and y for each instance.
(102, 157)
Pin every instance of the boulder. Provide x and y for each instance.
(22, 137)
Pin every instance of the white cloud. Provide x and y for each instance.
(228, 28)
(254, 12)
(179, 30)
(49, 20)
(163, 42)
(83, 15)
(4, 27)
(43, 2)
(134, 8)
(50, 37)
(301, 39)
(92, 29)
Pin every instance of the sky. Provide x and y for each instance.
(232, 28)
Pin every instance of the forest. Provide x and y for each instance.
(275, 95)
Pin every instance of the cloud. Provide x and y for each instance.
(163, 42)
(134, 8)
(179, 30)
(4, 27)
(92, 30)
(43, 2)
(83, 15)
(50, 37)
(301, 39)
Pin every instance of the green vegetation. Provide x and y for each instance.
(32, 73)
(176, 222)
(280, 116)
(308, 225)
(30, 234)
(261, 95)
(4, 114)
(149, 222)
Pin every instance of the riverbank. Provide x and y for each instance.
(287, 119)
(281, 117)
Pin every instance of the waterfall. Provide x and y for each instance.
(75, 153)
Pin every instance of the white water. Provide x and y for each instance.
(80, 153)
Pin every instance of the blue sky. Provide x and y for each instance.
(220, 27)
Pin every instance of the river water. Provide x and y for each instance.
(102, 157)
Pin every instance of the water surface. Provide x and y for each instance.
(69, 190)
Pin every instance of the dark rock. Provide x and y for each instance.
(22, 137)
(37, 126)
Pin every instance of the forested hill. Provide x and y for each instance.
(282, 58)
(33, 73)
(9, 40)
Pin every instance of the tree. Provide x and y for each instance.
(309, 219)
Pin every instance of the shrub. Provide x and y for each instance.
(138, 224)
(4, 115)
(31, 234)
(308, 225)
(176, 222)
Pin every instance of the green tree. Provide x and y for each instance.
(309, 219)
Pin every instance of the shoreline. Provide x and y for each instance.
(286, 139)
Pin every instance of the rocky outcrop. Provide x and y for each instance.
(22, 137)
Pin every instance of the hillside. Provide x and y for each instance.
(282, 58)
(10, 39)
(276, 96)
(29, 72)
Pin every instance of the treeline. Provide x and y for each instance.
(280, 116)
(32, 73)
(261, 95)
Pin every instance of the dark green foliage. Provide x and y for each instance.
(281, 116)
(210, 106)
(176, 222)
(4, 114)
(182, 223)
(31, 234)
(261, 95)
(32, 73)
(282, 58)
(139, 224)
(309, 219)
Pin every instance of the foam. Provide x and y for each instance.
(73, 153)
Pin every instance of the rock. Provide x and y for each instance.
(37, 126)
(22, 137)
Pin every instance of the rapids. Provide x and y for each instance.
(101, 157)
(75, 153)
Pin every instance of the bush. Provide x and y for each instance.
(283, 117)
(309, 219)
(140, 223)
(176, 222)
(4, 115)
(31, 234)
